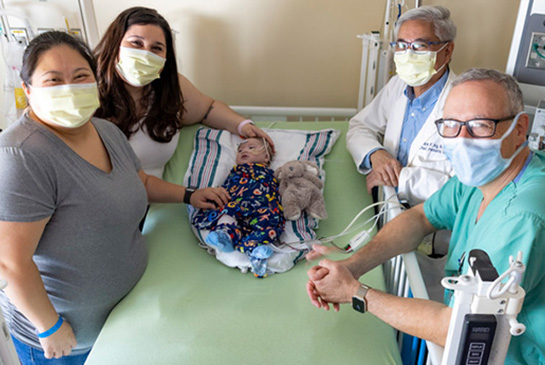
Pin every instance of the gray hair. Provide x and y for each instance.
(438, 16)
(515, 102)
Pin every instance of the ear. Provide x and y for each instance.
(522, 128)
(26, 89)
(278, 173)
(449, 49)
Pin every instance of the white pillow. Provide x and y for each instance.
(213, 157)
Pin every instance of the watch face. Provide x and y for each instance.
(358, 305)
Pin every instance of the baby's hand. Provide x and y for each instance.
(210, 198)
(319, 251)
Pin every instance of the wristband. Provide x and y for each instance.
(53, 329)
(187, 195)
(242, 124)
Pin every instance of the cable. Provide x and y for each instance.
(359, 239)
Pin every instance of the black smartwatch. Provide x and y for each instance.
(359, 302)
(187, 195)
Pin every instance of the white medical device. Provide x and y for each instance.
(8, 355)
(22, 20)
(484, 315)
(76, 17)
(526, 63)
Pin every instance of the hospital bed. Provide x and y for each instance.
(404, 278)
(188, 308)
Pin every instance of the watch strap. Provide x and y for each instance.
(187, 195)
(359, 300)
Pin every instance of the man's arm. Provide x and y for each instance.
(337, 281)
(422, 318)
(403, 234)
(366, 129)
(418, 317)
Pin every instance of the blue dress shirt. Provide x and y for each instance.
(416, 113)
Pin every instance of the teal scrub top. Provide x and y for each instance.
(514, 221)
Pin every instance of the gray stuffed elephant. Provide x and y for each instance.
(300, 190)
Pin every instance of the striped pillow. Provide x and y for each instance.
(213, 158)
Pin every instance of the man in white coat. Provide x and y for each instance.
(393, 140)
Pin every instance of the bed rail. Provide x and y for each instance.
(274, 113)
(402, 273)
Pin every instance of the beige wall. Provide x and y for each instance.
(485, 30)
(303, 52)
(268, 52)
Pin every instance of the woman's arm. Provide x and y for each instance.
(200, 108)
(160, 191)
(18, 242)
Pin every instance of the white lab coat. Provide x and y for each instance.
(379, 124)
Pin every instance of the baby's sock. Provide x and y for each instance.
(221, 240)
(258, 260)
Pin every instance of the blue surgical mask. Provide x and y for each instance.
(477, 162)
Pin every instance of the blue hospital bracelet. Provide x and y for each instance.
(52, 330)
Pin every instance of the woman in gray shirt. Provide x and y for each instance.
(72, 193)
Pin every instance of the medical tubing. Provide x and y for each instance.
(383, 203)
(349, 229)
(357, 216)
(382, 211)
(321, 240)
(353, 242)
(53, 329)
(330, 238)
(354, 229)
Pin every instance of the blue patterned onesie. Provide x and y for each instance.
(255, 205)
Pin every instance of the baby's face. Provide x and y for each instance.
(252, 150)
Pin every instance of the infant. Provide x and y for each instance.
(253, 218)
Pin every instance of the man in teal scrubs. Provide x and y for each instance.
(496, 202)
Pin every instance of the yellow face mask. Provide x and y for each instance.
(69, 106)
(416, 68)
(139, 67)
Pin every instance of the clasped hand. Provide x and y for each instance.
(330, 282)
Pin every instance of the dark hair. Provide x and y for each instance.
(162, 98)
(43, 43)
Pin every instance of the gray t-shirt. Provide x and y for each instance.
(91, 253)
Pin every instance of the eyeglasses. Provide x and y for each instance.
(477, 128)
(416, 46)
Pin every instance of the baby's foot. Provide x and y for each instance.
(258, 260)
(262, 252)
(220, 240)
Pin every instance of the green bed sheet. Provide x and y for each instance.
(189, 308)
